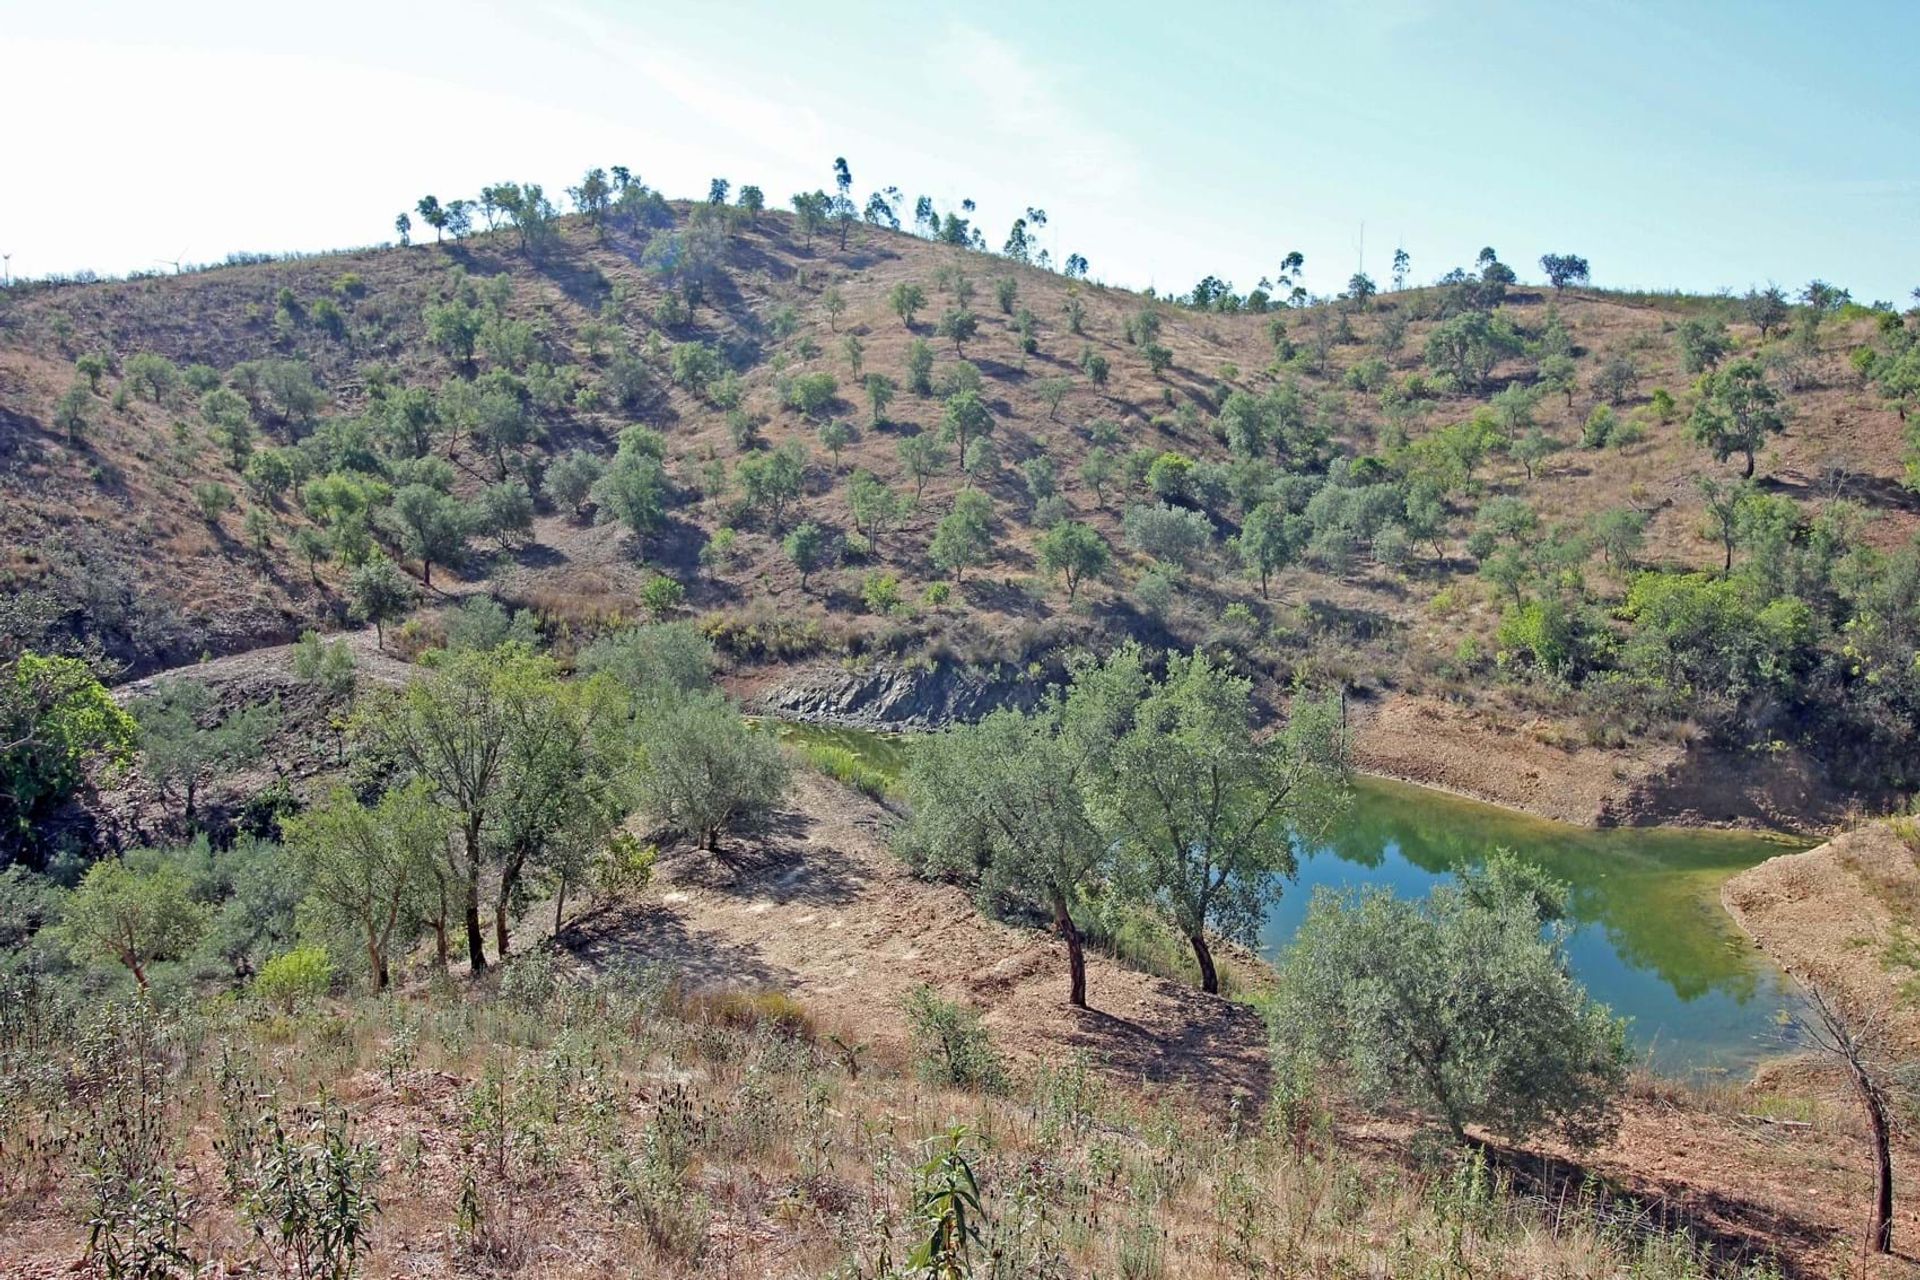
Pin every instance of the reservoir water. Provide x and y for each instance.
(1649, 937)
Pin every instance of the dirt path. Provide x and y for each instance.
(823, 910)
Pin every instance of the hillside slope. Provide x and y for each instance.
(138, 517)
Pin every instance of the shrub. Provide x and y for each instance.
(949, 1045)
(294, 978)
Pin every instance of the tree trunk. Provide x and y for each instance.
(1748, 473)
(1076, 953)
(476, 941)
(377, 966)
(440, 941)
(426, 573)
(559, 905)
(500, 924)
(1880, 1224)
(1209, 976)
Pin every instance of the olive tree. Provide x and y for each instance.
(1460, 1005)
(1200, 809)
(185, 740)
(1005, 799)
(705, 771)
(133, 912)
(1737, 412)
(365, 866)
(1074, 551)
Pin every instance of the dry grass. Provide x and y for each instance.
(615, 1129)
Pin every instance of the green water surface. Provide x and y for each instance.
(1649, 938)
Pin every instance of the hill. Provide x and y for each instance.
(1480, 502)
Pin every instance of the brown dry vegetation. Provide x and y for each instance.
(743, 1018)
(108, 527)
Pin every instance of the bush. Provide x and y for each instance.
(949, 1045)
(1485, 1025)
(294, 978)
(844, 766)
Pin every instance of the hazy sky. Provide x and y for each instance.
(1697, 145)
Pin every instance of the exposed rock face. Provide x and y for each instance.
(897, 697)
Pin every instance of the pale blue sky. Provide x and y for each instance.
(1695, 145)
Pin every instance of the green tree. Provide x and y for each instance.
(836, 435)
(965, 418)
(55, 718)
(880, 393)
(813, 393)
(1767, 309)
(907, 299)
(807, 546)
(1703, 342)
(570, 479)
(155, 376)
(1619, 533)
(1098, 470)
(185, 742)
(1203, 811)
(1074, 551)
(633, 487)
(964, 536)
(922, 457)
(1468, 346)
(959, 325)
(369, 869)
(1460, 1006)
(134, 912)
(465, 731)
(430, 526)
(771, 482)
(1006, 798)
(1737, 412)
(380, 594)
(876, 508)
(1052, 392)
(920, 367)
(1564, 269)
(1270, 539)
(706, 772)
(73, 412)
(454, 327)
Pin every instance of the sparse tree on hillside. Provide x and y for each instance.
(875, 507)
(430, 526)
(880, 393)
(633, 488)
(906, 299)
(836, 435)
(753, 200)
(186, 741)
(1360, 290)
(960, 325)
(570, 480)
(964, 537)
(1456, 1005)
(1402, 264)
(1271, 539)
(1767, 309)
(1052, 392)
(834, 303)
(1074, 551)
(1703, 343)
(717, 191)
(1564, 269)
(807, 547)
(922, 457)
(1737, 412)
(380, 594)
(403, 227)
(810, 213)
(433, 215)
(966, 417)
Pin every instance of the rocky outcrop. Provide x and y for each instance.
(897, 697)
